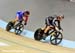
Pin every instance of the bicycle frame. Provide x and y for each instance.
(52, 33)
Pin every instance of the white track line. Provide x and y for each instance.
(3, 44)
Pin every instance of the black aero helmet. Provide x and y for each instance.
(26, 12)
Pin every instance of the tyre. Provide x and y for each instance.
(18, 28)
(38, 35)
(56, 39)
(9, 26)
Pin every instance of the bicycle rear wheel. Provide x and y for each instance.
(38, 35)
(9, 26)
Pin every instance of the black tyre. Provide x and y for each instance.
(9, 26)
(38, 34)
(18, 28)
(56, 39)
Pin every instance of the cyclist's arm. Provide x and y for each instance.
(25, 19)
(53, 22)
(59, 26)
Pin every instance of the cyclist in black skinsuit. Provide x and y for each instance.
(51, 22)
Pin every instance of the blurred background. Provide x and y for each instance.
(40, 9)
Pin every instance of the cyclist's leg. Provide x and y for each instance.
(15, 20)
(44, 27)
(46, 30)
(49, 27)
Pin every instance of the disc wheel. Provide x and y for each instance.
(38, 34)
(9, 26)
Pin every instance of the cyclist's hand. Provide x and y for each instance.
(61, 29)
(56, 28)
(25, 23)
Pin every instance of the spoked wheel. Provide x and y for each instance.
(56, 39)
(38, 34)
(9, 26)
(19, 28)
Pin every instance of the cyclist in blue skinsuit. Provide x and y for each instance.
(21, 16)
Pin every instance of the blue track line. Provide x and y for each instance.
(30, 34)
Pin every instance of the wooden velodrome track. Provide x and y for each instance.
(19, 44)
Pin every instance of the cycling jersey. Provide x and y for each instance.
(20, 15)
